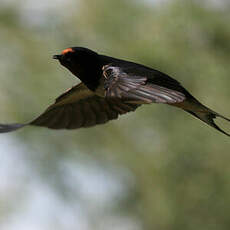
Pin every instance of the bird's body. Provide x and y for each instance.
(111, 87)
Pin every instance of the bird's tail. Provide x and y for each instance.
(204, 114)
(5, 128)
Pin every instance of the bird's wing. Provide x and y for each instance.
(76, 108)
(132, 87)
(140, 85)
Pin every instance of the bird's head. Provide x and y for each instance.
(80, 61)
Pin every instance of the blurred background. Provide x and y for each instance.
(157, 168)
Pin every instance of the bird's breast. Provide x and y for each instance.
(100, 90)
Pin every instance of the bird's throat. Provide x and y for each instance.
(91, 79)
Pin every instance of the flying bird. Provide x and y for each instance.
(111, 87)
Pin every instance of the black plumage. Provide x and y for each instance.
(111, 87)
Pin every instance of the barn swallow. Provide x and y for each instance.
(111, 87)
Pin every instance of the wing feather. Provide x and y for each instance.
(80, 107)
(132, 88)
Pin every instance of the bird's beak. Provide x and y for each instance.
(58, 57)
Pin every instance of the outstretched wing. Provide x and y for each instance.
(78, 107)
(5, 128)
(135, 86)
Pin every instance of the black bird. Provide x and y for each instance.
(111, 87)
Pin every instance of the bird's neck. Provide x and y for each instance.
(90, 77)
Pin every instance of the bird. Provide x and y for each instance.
(109, 88)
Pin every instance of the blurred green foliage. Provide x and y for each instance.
(180, 167)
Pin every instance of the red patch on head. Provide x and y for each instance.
(67, 51)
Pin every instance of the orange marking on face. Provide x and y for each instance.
(67, 51)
